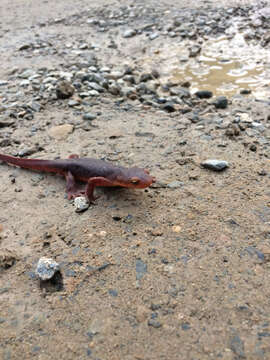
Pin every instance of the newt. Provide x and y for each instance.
(94, 172)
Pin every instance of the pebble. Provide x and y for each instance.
(73, 103)
(64, 90)
(153, 36)
(204, 94)
(129, 33)
(24, 83)
(46, 268)
(7, 259)
(60, 132)
(216, 165)
(168, 106)
(26, 74)
(194, 50)
(81, 204)
(221, 102)
(3, 82)
(89, 116)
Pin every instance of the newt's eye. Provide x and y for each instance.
(135, 181)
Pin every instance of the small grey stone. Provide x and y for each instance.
(257, 126)
(114, 89)
(93, 93)
(95, 86)
(129, 33)
(216, 165)
(3, 82)
(153, 36)
(194, 50)
(84, 94)
(46, 268)
(72, 103)
(26, 74)
(81, 204)
(89, 116)
(24, 83)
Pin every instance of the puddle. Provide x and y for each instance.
(224, 66)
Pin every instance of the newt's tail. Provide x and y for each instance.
(34, 164)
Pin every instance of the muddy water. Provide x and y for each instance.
(223, 66)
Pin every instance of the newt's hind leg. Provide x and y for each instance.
(72, 187)
(73, 156)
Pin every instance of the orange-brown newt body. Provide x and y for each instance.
(92, 171)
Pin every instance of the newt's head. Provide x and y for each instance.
(136, 178)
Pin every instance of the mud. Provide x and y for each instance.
(176, 271)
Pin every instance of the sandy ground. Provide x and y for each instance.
(186, 268)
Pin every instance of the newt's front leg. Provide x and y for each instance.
(92, 183)
(72, 188)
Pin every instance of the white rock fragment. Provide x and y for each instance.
(216, 165)
(46, 268)
(81, 204)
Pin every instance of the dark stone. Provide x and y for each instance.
(221, 102)
(204, 94)
(64, 90)
(168, 106)
(145, 77)
(245, 91)
(253, 148)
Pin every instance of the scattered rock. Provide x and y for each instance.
(129, 33)
(89, 116)
(7, 259)
(216, 165)
(64, 90)
(81, 204)
(194, 50)
(61, 132)
(204, 94)
(168, 106)
(221, 102)
(46, 268)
